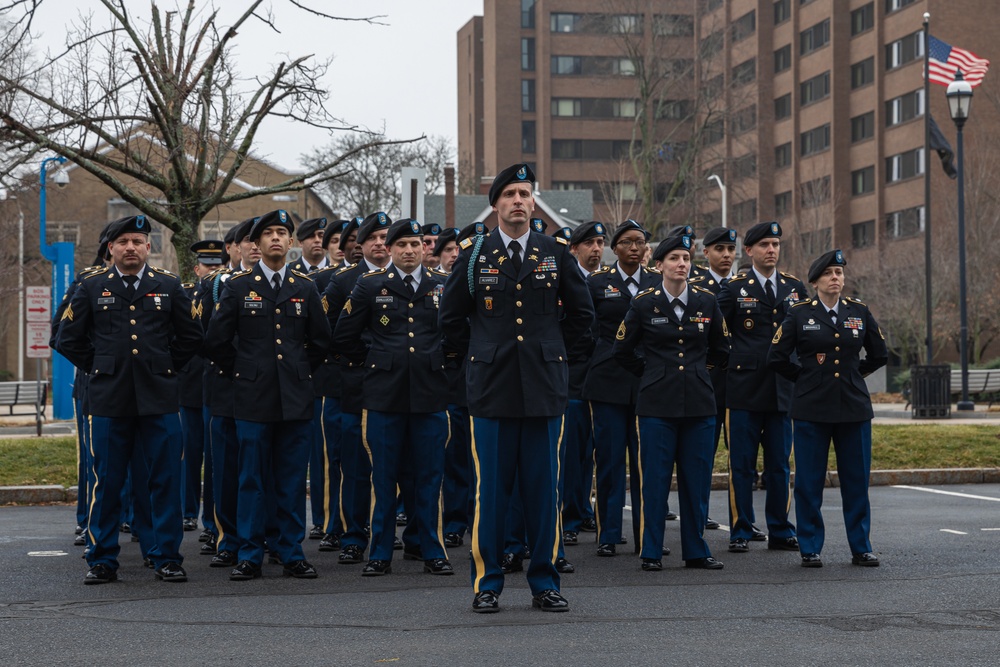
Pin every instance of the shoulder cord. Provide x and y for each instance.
(472, 263)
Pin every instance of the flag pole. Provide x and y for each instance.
(927, 191)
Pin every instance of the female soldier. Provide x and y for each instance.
(831, 401)
(682, 333)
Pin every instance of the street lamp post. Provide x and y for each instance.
(722, 187)
(61, 256)
(959, 100)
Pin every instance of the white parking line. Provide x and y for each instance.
(945, 493)
(989, 529)
(953, 532)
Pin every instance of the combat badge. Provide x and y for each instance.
(748, 324)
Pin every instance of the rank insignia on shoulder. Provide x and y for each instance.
(301, 275)
(645, 292)
(561, 240)
(347, 306)
(466, 244)
(68, 314)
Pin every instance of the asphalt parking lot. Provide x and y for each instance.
(935, 600)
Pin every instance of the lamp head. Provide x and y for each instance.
(959, 96)
(61, 178)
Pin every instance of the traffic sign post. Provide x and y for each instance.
(38, 340)
(38, 304)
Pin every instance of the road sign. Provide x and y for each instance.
(37, 343)
(37, 304)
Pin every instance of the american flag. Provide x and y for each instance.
(944, 59)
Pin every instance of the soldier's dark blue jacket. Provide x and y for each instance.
(351, 375)
(404, 362)
(718, 373)
(217, 386)
(829, 373)
(326, 377)
(507, 325)
(282, 338)
(132, 348)
(191, 382)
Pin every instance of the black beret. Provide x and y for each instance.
(241, 230)
(520, 173)
(209, 251)
(447, 235)
(587, 230)
(718, 235)
(627, 226)
(685, 230)
(539, 225)
(832, 258)
(309, 227)
(332, 228)
(564, 232)
(761, 230)
(431, 229)
(474, 229)
(353, 224)
(682, 241)
(402, 228)
(133, 224)
(374, 221)
(279, 218)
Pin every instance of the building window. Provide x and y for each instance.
(559, 22)
(863, 19)
(674, 110)
(712, 44)
(815, 140)
(783, 203)
(744, 120)
(596, 23)
(783, 107)
(713, 133)
(894, 5)
(744, 26)
(783, 155)
(57, 231)
(782, 11)
(904, 165)
(528, 54)
(626, 24)
(592, 66)
(908, 222)
(813, 243)
(814, 37)
(567, 65)
(528, 14)
(673, 25)
(714, 86)
(745, 212)
(589, 149)
(527, 136)
(863, 234)
(527, 95)
(862, 73)
(593, 107)
(863, 181)
(815, 192)
(783, 58)
(905, 107)
(745, 166)
(863, 127)
(711, 5)
(904, 50)
(814, 89)
(677, 68)
(745, 72)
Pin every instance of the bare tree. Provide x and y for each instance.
(156, 108)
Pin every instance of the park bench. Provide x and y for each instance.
(15, 394)
(983, 383)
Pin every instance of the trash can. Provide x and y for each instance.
(930, 391)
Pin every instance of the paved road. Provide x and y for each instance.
(934, 601)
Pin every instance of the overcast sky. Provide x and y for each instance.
(400, 76)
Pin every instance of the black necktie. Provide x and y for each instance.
(724, 282)
(409, 284)
(313, 268)
(276, 281)
(132, 282)
(515, 255)
(674, 305)
(769, 289)
(630, 283)
(833, 316)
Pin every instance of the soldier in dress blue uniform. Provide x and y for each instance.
(405, 420)
(754, 304)
(687, 230)
(611, 391)
(501, 310)
(682, 333)
(355, 486)
(131, 328)
(331, 243)
(349, 243)
(819, 348)
(310, 235)
(431, 232)
(283, 335)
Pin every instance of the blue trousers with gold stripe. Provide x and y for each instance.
(356, 483)
(225, 480)
(394, 440)
(331, 479)
(615, 436)
(82, 464)
(317, 466)
(526, 450)
(457, 472)
(196, 454)
(852, 442)
(773, 431)
(578, 471)
(688, 443)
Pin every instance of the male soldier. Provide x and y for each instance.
(504, 313)
(310, 236)
(283, 335)
(349, 243)
(754, 305)
(331, 244)
(406, 426)
(431, 232)
(355, 487)
(132, 328)
(719, 248)
(232, 248)
(446, 249)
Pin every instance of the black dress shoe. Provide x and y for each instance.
(412, 553)
(190, 524)
(79, 540)
(589, 526)
(570, 538)
(205, 536)
(708, 563)
(867, 559)
(512, 563)
(273, 558)
(208, 548)
(606, 550)
(78, 531)
(811, 560)
(376, 568)
(135, 538)
(100, 574)
(171, 572)
(316, 533)
(125, 528)
(300, 569)
(783, 543)
(245, 571)
(486, 602)
(351, 555)
(665, 551)
(223, 559)
(711, 524)
(438, 566)
(330, 542)
(401, 518)
(671, 516)
(758, 535)
(739, 546)
(397, 544)
(651, 565)
(453, 540)
(622, 540)
(563, 566)
(148, 564)
(550, 600)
